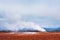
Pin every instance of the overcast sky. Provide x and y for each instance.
(45, 13)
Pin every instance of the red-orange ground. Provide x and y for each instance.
(37, 36)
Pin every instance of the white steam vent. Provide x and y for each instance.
(12, 21)
(22, 25)
(34, 26)
(17, 25)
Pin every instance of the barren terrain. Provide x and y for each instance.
(30, 36)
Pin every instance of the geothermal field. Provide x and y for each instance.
(30, 36)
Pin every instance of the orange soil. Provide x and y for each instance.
(37, 36)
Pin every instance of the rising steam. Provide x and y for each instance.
(20, 25)
(13, 22)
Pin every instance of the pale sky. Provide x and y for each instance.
(45, 13)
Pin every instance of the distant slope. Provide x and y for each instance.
(52, 29)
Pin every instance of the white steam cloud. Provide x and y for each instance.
(13, 10)
(13, 22)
